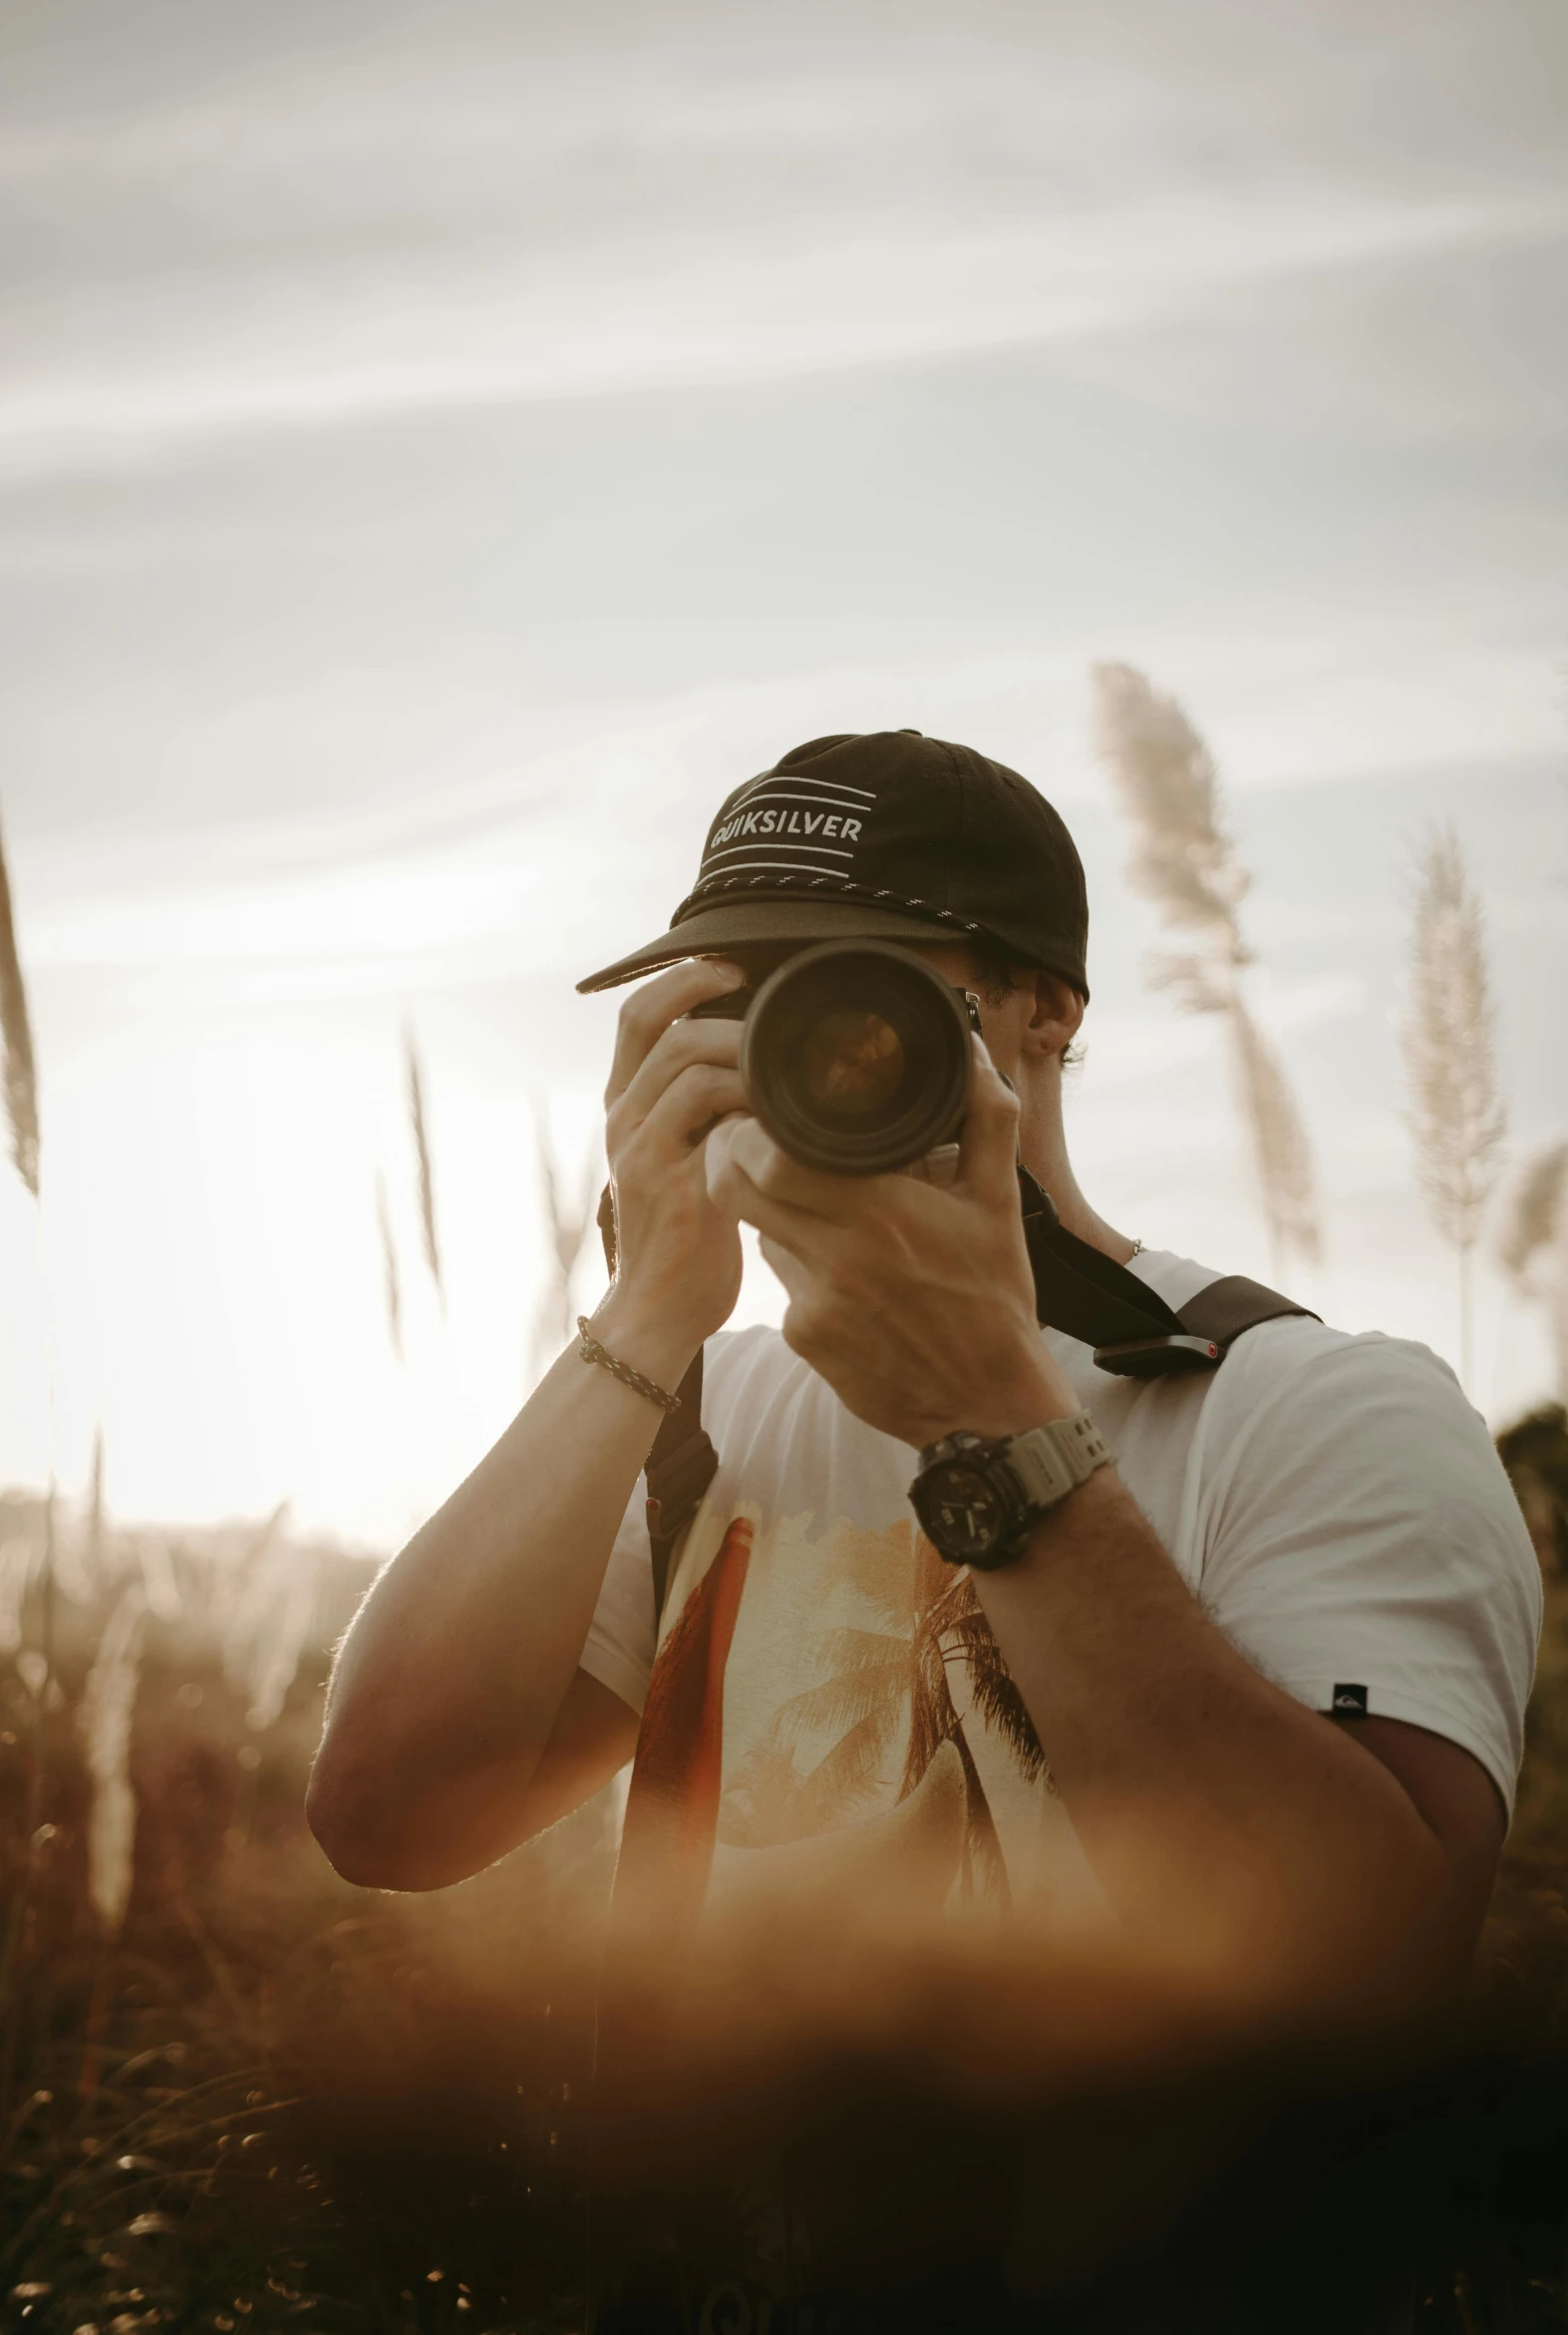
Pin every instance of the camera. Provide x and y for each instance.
(856, 1055)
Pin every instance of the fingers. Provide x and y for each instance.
(799, 1284)
(743, 1165)
(695, 1097)
(650, 1010)
(750, 1151)
(792, 1276)
(988, 1147)
(676, 1049)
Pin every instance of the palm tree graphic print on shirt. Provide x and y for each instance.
(882, 1686)
(841, 1688)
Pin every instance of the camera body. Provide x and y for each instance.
(854, 1055)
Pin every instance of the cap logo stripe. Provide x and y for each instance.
(791, 779)
(817, 802)
(781, 793)
(825, 851)
(795, 867)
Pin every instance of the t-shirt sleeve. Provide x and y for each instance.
(1365, 1550)
(620, 1644)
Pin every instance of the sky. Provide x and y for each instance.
(443, 450)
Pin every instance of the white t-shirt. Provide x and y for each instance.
(1333, 1500)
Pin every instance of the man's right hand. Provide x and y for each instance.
(678, 1256)
(459, 1720)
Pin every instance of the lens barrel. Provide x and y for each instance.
(855, 1057)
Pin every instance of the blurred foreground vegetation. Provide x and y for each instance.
(271, 2100)
(258, 2099)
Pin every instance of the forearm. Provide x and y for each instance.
(1176, 1760)
(450, 1677)
(1237, 1835)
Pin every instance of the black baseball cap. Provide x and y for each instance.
(886, 835)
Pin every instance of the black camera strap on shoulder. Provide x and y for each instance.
(1133, 1332)
(1078, 1290)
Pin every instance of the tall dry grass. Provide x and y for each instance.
(16, 1573)
(390, 1277)
(159, 1583)
(234, 2091)
(18, 1064)
(569, 1223)
(1185, 861)
(16, 1044)
(1532, 1247)
(1447, 1041)
(420, 1131)
(270, 1621)
(93, 1547)
(105, 1720)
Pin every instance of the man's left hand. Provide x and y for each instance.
(916, 1304)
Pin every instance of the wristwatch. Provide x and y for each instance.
(979, 1501)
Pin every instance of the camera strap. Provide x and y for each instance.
(1133, 1332)
(1078, 1290)
(681, 1464)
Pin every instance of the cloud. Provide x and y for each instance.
(727, 309)
(225, 227)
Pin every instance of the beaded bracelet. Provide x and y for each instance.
(592, 1351)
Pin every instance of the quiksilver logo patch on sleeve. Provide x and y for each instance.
(1349, 1702)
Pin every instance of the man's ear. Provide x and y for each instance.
(1055, 1019)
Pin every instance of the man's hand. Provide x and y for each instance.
(916, 1304)
(678, 1261)
(1235, 1833)
(459, 1720)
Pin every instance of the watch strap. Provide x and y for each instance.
(1050, 1462)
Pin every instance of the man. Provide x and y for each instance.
(1130, 1717)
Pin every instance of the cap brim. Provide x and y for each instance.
(735, 923)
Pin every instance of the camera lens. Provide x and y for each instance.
(855, 1057)
(854, 1062)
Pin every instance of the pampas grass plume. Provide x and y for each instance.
(94, 1503)
(1182, 858)
(1188, 864)
(77, 1545)
(1536, 1212)
(392, 1282)
(159, 1582)
(270, 1621)
(1281, 1146)
(105, 1717)
(16, 1562)
(569, 1224)
(1533, 1246)
(420, 1133)
(252, 1588)
(275, 1657)
(1446, 1039)
(16, 1045)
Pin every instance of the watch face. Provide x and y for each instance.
(964, 1512)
